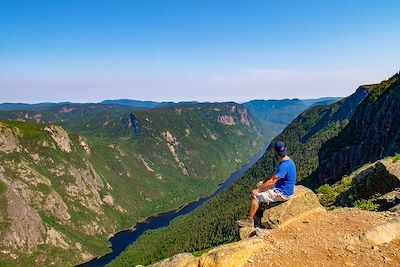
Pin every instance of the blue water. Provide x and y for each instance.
(121, 240)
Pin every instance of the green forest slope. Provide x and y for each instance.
(213, 223)
(106, 168)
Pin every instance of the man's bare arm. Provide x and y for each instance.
(266, 185)
(266, 179)
(269, 177)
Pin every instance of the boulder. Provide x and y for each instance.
(395, 209)
(303, 203)
(246, 232)
(179, 260)
(381, 178)
(383, 233)
(233, 254)
(389, 200)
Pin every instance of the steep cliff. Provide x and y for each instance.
(372, 133)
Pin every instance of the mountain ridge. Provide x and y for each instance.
(95, 174)
(213, 224)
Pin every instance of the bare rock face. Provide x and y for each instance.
(109, 200)
(60, 136)
(56, 206)
(303, 203)
(173, 144)
(55, 238)
(233, 254)
(84, 144)
(240, 114)
(86, 188)
(226, 120)
(170, 138)
(244, 116)
(26, 230)
(179, 260)
(8, 139)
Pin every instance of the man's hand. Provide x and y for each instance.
(255, 193)
(261, 187)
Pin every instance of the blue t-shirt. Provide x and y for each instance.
(287, 172)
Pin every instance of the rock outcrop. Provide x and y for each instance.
(56, 206)
(173, 145)
(26, 230)
(244, 116)
(179, 260)
(8, 139)
(233, 254)
(60, 136)
(381, 177)
(236, 114)
(303, 203)
(84, 144)
(226, 120)
(389, 200)
(280, 214)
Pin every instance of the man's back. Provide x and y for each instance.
(287, 173)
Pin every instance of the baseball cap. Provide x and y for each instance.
(280, 148)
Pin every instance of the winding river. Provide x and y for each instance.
(121, 240)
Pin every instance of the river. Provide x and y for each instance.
(121, 240)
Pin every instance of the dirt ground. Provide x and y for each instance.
(328, 239)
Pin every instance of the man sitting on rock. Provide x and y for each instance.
(279, 186)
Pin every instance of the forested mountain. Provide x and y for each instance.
(72, 175)
(23, 106)
(122, 102)
(213, 223)
(373, 133)
(320, 101)
(279, 113)
(145, 104)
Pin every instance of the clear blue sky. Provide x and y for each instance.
(215, 50)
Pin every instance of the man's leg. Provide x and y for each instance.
(253, 208)
(249, 221)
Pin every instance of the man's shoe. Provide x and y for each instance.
(246, 222)
(260, 232)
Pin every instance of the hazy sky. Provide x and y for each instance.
(205, 50)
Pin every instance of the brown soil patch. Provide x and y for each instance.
(328, 239)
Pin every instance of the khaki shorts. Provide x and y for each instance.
(271, 195)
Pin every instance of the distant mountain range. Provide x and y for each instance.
(146, 104)
(275, 113)
(280, 113)
(153, 104)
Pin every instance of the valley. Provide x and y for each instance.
(213, 223)
(82, 173)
